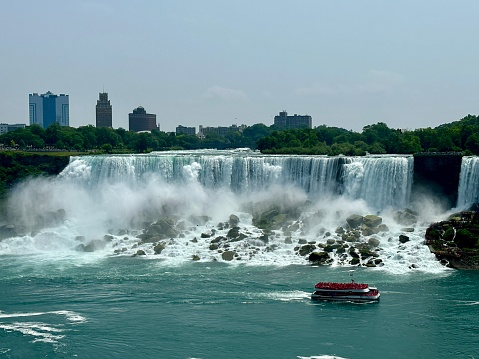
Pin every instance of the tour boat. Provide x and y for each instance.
(352, 292)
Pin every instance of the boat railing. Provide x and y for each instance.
(340, 286)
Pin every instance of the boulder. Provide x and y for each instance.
(355, 220)
(373, 242)
(228, 255)
(233, 220)
(371, 220)
(306, 249)
(159, 248)
(403, 238)
(319, 257)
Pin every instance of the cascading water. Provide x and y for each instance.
(240, 206)
(381, 181)
(468, 192)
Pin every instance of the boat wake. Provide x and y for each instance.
(35, 325)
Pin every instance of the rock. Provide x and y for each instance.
(355, 220)
(264, 238)
(354, 261)
(383, 228)
(159, 248)
(94, 245)
(195, 257)
(228, 255)
(234, 234)
(319, 257)
(139, 252)
(108, 237)
(373, 242)
(408, 229)
(403, 238)
(371, 220)
(306, 249)
(406, 217)
(164, 228)
(233, 220)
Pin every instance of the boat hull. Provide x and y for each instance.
(342, 297)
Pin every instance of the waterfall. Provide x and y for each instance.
(381, 181)
(468, 192)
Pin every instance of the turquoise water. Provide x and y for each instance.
(60, 300)
(138, 308)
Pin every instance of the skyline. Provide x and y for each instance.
(216, 63)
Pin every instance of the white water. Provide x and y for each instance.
(114, 195)
(468, 192)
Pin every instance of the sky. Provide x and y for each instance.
(347, 63)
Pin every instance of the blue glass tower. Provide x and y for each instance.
(49, 108)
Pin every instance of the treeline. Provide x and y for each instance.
(458, 136)
(87, 138)
(16, 165)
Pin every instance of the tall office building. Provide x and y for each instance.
(49, 108)
(139, 120)
(103, 111)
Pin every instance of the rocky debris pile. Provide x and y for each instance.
(355, 243)
(455, 241)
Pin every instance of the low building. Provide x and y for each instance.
(5, 127)
(139, 120)
(284, 121)
(182, 130)
(220, 130)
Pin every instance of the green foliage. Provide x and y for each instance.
(465, 239)
(458, 136)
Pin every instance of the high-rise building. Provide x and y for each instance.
(284, 121)
(103, 111)
(49, 108)
(139, 120)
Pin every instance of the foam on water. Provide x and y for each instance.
(40, 331)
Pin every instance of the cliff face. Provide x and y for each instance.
(438, 174)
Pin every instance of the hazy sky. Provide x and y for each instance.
(347, 63)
